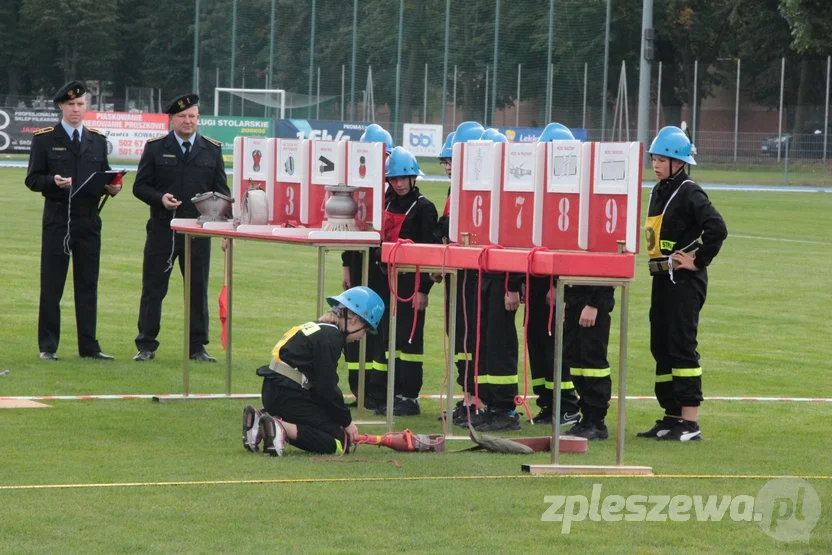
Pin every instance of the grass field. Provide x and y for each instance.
(764, 332)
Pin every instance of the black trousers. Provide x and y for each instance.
(466, 320)
(161, 249)
(674, 322)
(541, 348)
(85, 246)
(409, 354)
(585, 354)
(498, 349)
(317, 432)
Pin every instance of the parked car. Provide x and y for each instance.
(807, 144)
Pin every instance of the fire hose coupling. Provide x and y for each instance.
(405, 441)
(212, 206)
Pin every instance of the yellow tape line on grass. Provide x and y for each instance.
(400, 479)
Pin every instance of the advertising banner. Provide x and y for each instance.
(127, 132)
(18, 124)
(226, 128)
(423, 139)
(318, 129)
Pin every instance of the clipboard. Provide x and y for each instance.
(94, 186)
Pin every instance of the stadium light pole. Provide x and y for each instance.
(195, 83)
(549, 64)
(352, 67)
(644, 72)
(311, 62)
(496, 52)
(398, 71)
(606, 68)
(233, 51)
(445, 61)
(271, 50)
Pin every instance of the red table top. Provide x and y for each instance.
(543, 263)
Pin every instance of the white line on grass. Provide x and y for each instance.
(780, 240)
(406, 479)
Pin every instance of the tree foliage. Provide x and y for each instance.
(144, 43)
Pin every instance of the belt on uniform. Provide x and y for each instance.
(662, 265)
(292, 373)
(658, 266)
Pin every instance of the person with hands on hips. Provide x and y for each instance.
(302, 403)
(684, 232)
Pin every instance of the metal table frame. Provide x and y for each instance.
(555, 467)
(322, 246)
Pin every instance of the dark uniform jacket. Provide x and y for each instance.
(52, 154)
(162, 169)
(314, 349)
(419, 226)
(689, 217)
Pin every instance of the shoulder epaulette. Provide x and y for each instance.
(155, 139)
(44, 130)
(96, 131)
(213, 141)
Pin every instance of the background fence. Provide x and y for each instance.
(520, 63)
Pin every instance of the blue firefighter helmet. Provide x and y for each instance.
(493, 135)
(556, 132)
(672, 142)
(468, 131)
(377, 134)
(362, 301)
(401, 163)
(448, 147)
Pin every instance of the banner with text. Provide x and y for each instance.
(226, 128)
(18, 124)
(318, 129)
(127, 132)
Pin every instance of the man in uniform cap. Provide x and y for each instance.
(173, 169)
(62, 158)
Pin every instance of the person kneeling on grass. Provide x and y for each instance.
(302, 403)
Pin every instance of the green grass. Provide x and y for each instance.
(764, 332)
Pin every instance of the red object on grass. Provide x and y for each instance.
(223, 300)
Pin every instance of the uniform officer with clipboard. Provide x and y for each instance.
(62, 160)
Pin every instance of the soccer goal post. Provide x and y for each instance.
(275, 98)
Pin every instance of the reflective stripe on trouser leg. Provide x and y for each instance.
(687, 382)
(498, 347)
(539, 343)
(410, 352)
(375, 368)
(659, 340)
(590, 369)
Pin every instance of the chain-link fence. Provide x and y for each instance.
(518, 64)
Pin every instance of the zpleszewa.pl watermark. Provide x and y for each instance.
(787, 509)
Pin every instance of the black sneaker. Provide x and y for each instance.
(589, 430)
(544, 416)
(661, 428)
(406, 407)
(478, 417)
(569, 419)
(499, 421)
(685, 430)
